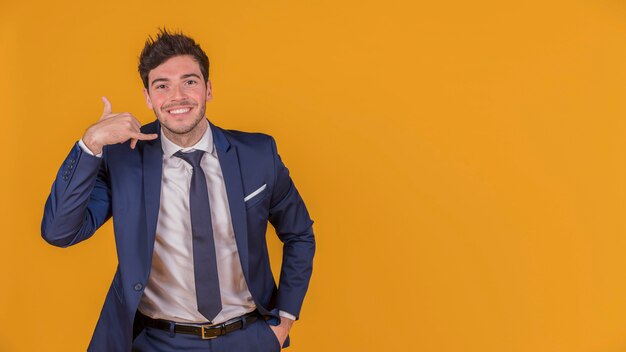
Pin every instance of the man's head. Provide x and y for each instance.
(174, 70)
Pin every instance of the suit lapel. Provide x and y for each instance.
(152, 172)
(229, 162)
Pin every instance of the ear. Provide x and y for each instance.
(148, 100)
(209, 90)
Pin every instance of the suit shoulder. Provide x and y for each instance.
(251, 139)
(248, 136)
(152, 127)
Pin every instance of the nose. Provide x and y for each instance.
(177, 92)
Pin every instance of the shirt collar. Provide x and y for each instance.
(205, 143)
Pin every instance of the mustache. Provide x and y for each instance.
(178, 105)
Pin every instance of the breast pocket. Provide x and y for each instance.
(256, 196)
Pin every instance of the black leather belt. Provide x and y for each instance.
(206, 331)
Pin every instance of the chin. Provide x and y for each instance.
(179, 128)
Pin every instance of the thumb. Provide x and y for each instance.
(107, 106)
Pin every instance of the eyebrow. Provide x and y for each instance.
(181, 77)
(190, 75)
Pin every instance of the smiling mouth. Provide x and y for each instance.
(179, 111)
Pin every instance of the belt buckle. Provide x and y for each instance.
(204, 332)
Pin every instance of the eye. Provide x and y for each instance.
(190, 82)
(161, 86)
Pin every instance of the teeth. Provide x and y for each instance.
(179, 111)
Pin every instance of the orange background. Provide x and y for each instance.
(463, 161)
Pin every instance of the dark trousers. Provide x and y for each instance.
(257, 337)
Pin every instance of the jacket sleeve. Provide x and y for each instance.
(294, 227)
(80, 200)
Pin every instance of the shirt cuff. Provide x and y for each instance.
(82, 146)
(286, 315)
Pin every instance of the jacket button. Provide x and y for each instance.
(138, 287)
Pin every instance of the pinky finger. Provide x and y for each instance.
(133, 143)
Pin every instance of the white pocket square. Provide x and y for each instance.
(253, 194)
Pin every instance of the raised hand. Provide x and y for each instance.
(114, 128)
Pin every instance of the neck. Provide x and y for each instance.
(185, 140)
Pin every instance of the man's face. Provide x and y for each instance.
(177, 94)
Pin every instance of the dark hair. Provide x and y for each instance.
(167, 45)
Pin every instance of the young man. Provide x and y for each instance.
(191, 203)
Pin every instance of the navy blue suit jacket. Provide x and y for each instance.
(126, 184)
